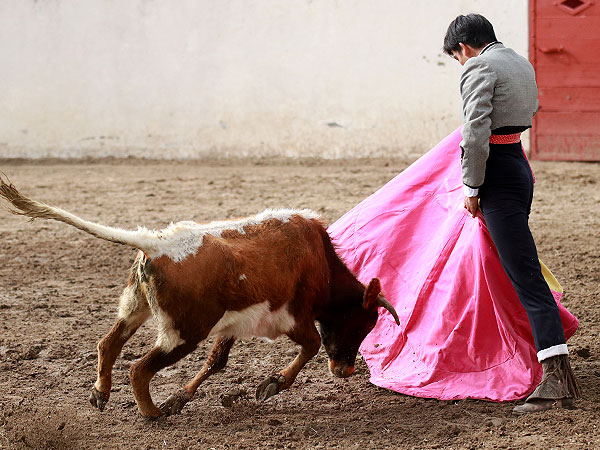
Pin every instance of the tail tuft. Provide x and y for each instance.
(25, 206)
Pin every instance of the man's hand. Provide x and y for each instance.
(472, 205)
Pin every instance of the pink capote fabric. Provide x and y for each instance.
(463, 332)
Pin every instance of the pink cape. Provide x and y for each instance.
(463, 332)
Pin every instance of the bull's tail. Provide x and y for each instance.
(141, 238)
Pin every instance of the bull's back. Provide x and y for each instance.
(255, 283)
(265, 263)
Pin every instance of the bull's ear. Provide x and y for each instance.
(371, 293)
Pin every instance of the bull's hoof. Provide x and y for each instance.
(98, 399)
(269, 387)
(175, 403)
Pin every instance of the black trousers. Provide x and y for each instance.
(505, 200)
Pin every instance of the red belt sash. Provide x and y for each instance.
(505, 138)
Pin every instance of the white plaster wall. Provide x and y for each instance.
(192, 78)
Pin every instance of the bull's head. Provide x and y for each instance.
(343, 333)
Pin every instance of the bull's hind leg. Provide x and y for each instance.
(217, 360)
(142, 372)
(308, 337)
(133, 312)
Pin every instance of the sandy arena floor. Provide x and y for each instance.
(59, 289)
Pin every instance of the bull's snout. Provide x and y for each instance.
(340, 370)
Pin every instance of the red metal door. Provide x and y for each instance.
(564, 48)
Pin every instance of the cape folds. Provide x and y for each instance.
(463, 332)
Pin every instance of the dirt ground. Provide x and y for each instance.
(59, 290)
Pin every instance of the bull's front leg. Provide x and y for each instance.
(217, 360)
(308, 337)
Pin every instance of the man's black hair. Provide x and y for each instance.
(472, 29)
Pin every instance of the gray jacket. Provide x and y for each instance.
(498, 89)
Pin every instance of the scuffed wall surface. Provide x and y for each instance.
(186, 79)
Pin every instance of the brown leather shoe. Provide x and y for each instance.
(558, 387)
(539, 405)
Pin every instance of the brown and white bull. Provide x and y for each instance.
(266, 275)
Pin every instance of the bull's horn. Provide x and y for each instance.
(387, 305)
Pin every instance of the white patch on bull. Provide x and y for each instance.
(181, 239)
(256, 320)
(129, 302)
(133, 309)
(243, 277)
(168, 336)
